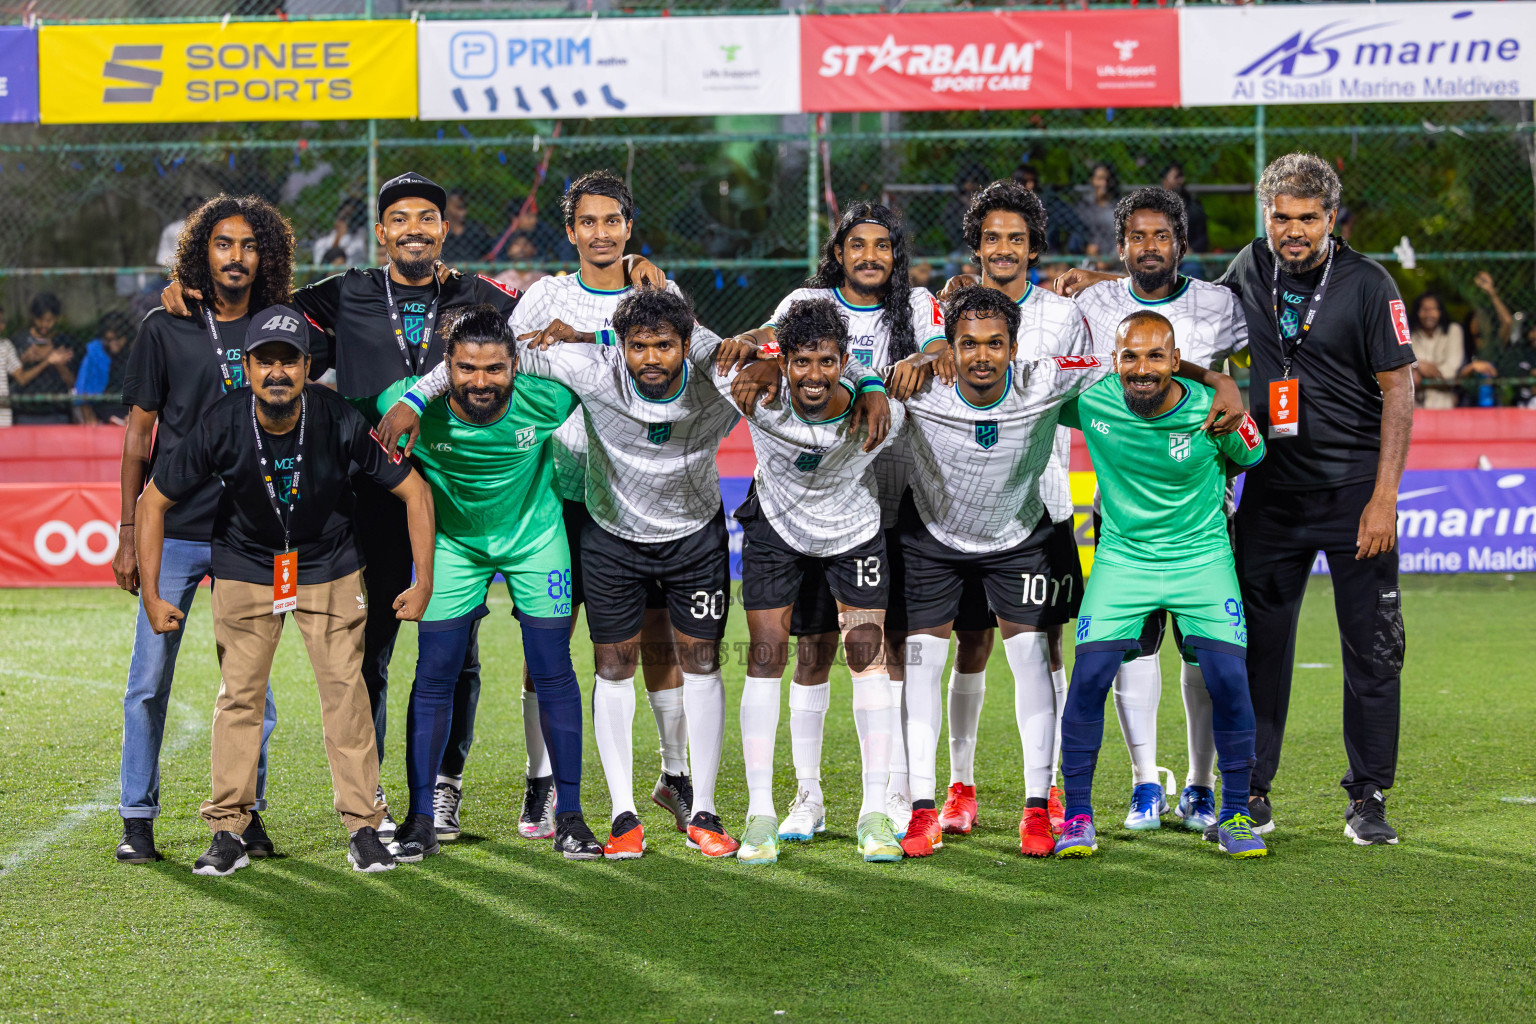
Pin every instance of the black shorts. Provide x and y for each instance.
(1017, 581)
(1066, 574)
(576, 517)
(775, 575)
(692, 574)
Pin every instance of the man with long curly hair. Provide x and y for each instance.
(237, 251)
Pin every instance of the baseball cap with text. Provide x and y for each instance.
(411, 185)
(278, 323)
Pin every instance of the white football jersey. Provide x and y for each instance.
(869, 343)
(976, 473)
(815, 482)
(586, 309)
(1208, 324)
(1050, 325)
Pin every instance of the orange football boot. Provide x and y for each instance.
(1057, 813)
(1035, 836)
(923, 833)
(959, 813)
(708, 836)
(626, 839)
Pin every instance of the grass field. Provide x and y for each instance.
(1156, 927)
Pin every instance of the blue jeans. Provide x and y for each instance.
(183, 564)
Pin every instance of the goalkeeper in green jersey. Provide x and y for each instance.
(483, 450)
(1163, 546)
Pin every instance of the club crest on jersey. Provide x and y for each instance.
(658, 433)
(1178, 446)
(527, 437)
(986, 433)
(1077, 362)
(808, 461)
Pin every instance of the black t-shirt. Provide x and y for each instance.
(173, 371)
(246, 533)
(50, 381)
(1361, 329)
(363, 349)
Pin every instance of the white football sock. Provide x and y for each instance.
(533, 739)
(704, 701)
(1034, 708)
(1197, 718)
(672, 727)
(872, 718)
(967, 690)
(897, 782)
(1138, 687)
(807, 722)
(1059, 684)
(613, 725)
(925, 711)
(759, 729)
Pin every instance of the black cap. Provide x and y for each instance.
(411, 185)
(278, 323)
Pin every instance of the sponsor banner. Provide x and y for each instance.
(239, 71)
(630, 67)
(1357, 53)
(998, 60)
(57, 535)
(18, 74)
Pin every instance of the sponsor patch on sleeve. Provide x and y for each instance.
(938, 312)
(768, 349)
(1076, 362)
(1249, 432)
(500, 286)
(1400, 320)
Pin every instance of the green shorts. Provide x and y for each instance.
(1203, 600)
(538, 578)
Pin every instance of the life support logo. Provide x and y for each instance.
(58, 543)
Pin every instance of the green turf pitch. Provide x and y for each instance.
(1157, 926)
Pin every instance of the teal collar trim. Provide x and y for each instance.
(599, 291)
(1007, 387)
(477, 426)
(682, 385)
(1028, 291)
(1176, 408)
(862, 309)
(831, 419)
(1180, 290)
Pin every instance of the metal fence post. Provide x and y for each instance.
(373, 160)
(812, 195)
(1260, 161)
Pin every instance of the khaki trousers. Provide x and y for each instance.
(330, 617)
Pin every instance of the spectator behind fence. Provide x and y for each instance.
(47, 364)
(548, 242)
(971, 179)
(1516, 359)
(520, 249)
(466, 241)
(103, 369)
(165, 250)
(349, 233)
(1438, 342)
(10, 363)
(1063, 231)
(1097, 213)
(1194, 213)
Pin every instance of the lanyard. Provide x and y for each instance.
(1286, 355)
(399, 325)
(267, 474)
(218, 350)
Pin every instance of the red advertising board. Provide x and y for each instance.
(57, 535)
(1000, 60)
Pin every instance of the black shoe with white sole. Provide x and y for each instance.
(1262, 813)
(257, 842)
(387, 826)
(538, 817)
(225, 856)
(138, 843)
(446, 797)
(674, 794)
(574, 840)
(416, 839)
(1365, 821)
(367, 853)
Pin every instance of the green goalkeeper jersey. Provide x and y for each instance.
(495, 481)
(1162, 481)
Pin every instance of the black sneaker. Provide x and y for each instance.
(674, 794)
(138, 842)
(225, 856)
(446, 797)
(257, 842)
(1365, 821)
(538, 817)
(366, 852)
(387, 826)
(416, 839)
(1262, 814)
(574, 840)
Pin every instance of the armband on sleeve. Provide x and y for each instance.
(434, 385)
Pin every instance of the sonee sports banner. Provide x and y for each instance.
(241, 71)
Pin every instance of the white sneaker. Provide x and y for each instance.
(446, 797)
(806, 817)
(387, 827)
(899, 808)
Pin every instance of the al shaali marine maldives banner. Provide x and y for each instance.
(240, 71)
(620, 67)
(1357, 53)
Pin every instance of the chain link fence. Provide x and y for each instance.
(736, 207)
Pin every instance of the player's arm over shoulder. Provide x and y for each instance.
(927, 319)
(392, 394)
(548, 402)
(1244, 447)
